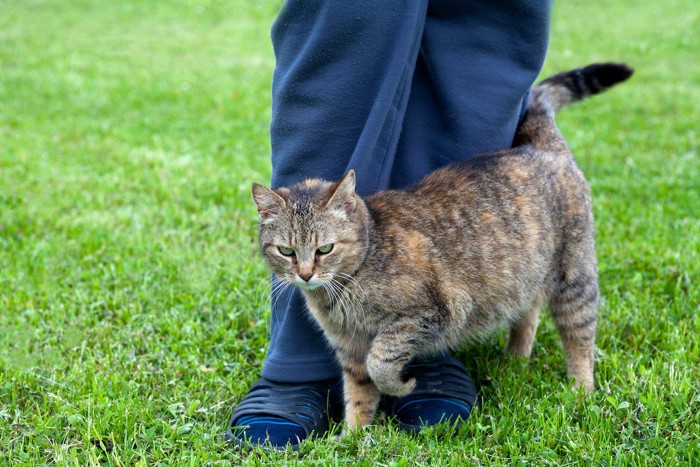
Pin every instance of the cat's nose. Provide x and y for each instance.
(306, 275)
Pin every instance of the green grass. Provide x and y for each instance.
(132, 312)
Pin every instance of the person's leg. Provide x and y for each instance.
(339, 99)
(339, 93)
(340, 90)
(394, 94)
(477, 63)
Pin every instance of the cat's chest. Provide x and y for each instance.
(349, 308)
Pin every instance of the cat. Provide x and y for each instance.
(406, 273)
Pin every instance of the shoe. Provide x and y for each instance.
(275, 415)
(444, 393)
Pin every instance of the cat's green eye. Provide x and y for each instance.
(325, 249)
(286, 251)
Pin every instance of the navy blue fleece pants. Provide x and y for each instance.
(394, 90)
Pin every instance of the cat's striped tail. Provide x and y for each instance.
(568, 87)
(562, 89)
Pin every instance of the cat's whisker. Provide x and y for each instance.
(332, 294)
(341, 302)
(278, 289)
(349, 278)
(350, 305)
(262, 282)
(350, 301)
(354, 281)
(278, 294)
(357, 296)
(266, 288)
(263, 296)
(338, 297)
(262, 291)
(273, 287)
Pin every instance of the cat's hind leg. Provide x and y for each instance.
(574, 309)
(522, 334)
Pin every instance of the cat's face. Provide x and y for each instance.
(311, 233)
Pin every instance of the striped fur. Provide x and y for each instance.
(407, 273)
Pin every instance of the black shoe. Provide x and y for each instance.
(275, 415)
(444, 393)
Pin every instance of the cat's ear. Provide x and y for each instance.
(343, 195)
(268, 202)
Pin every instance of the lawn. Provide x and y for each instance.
(133, 311)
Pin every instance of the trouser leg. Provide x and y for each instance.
(393, 91)
(339, 94)
(477, 62)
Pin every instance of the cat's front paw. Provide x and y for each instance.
(398, 388)
(387, 378)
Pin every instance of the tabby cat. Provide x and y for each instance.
(407, 273)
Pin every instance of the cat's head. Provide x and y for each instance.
(313, 232)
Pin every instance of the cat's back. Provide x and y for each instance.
(506, 187)
(484, 231)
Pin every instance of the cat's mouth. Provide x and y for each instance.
(311, 284)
